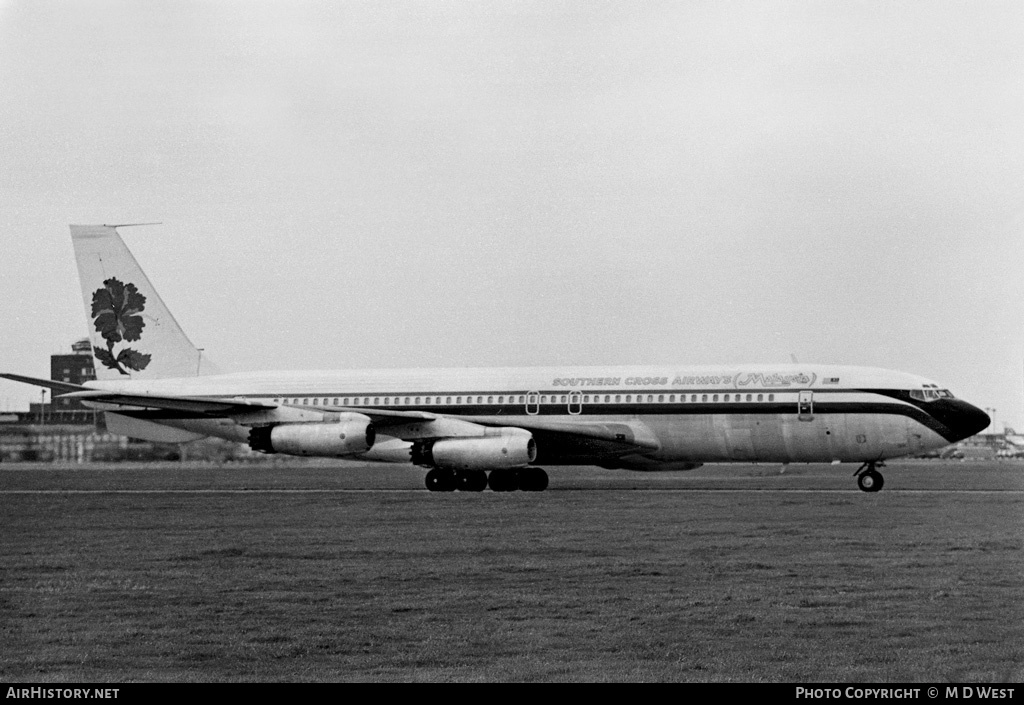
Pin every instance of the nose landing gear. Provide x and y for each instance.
(868, 478)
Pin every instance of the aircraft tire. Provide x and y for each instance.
(471, 480)
(439, 480)
(504, 480)
(870, 481)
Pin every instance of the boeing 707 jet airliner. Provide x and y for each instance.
(478, 428)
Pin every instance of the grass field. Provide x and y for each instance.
(734, 573)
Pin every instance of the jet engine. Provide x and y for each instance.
(353, 433)
(477, 453)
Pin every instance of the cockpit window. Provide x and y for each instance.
(930, 394)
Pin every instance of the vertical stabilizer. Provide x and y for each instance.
(133, 334)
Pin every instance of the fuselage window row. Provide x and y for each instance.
(543, 399)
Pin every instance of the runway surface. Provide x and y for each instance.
(308, 573)
(696, 490)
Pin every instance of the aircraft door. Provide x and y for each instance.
(805, 405)
(575, 402)
(532, 403)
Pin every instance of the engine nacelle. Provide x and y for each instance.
(352, 434)
(481, 453)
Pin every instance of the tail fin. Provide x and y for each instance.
(133, 334)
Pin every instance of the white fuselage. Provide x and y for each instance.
(678, 415)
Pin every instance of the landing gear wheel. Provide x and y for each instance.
(471, 480)
(533, 480)
(439, 480)
(870, 481)
(504, 480)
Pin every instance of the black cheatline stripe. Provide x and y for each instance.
(940, 416)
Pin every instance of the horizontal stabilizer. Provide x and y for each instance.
(49, 383)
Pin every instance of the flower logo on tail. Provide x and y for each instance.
(115, 311)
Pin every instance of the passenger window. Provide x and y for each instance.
(479, 400)
(447, 400)
(458, 400)
(490, 400)
(771, 397)
(629, 398)
(760, 397)
(335, 401)
(748, 397)
(618, 398)
(661, 398)
(693, 397)
(715, 398)
(417, 400)
(704, 397)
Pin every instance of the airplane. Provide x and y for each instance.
(475, 428)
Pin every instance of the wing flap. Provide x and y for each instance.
(574, 437)
(625, 436)
(384, 417)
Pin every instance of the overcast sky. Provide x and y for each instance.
(401, 184)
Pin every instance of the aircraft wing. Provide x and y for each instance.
(201, 406)
(571, 438)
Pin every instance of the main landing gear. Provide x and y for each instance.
(868, 478)
(502, 480)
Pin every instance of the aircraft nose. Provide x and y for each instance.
(964, 419)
